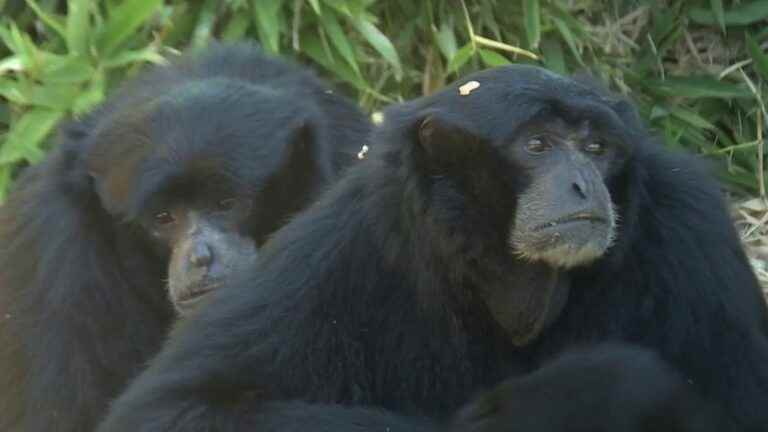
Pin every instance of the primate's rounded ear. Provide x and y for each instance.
(299, 166)
(445, 140)
(302, 136)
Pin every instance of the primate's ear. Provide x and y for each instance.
(445, 141)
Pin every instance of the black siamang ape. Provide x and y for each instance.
(515, 255)
(171, 186)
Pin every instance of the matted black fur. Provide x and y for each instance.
(364, 313)
(83, 301)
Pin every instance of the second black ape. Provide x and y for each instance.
(489, 234)
(165, 191)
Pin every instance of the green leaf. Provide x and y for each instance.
(380, 43)
(316, 6)
(691, 117)
(50, 20)
(5, 115)
(339, 40)
(9, 89)
(7, 39)
(446, 41)
(266, 15)
(743, 14)
(91, 96)
(22, 46)
(340, 6)
(554, 57)
(125, 58)
(50, 95)
(203, 28)
(123, 22)
(569, 38)
(5, 181)
(313, 47)
(236, 28)
(78, 26)
(26, 135)
(759, 58)
(492, 58)
(717, 10)
(72, 69)
(461, 57)
(532, 23)
(698, 87)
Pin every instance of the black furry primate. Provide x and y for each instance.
(171, 186)
(520, 256)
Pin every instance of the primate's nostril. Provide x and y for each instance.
(201, 255)
(580, 190)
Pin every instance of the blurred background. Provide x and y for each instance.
(696, 68)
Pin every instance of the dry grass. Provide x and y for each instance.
(752, 222)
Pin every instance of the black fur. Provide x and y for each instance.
(364, 313)
(82, 290)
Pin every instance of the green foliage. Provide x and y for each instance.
(697, 69)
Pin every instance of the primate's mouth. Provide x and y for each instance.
(571, 218)
(194, 294)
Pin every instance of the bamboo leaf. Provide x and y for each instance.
(380, 43)
(759, 58)
(266, 15)
(743, 14)
(698, 87)
(446, 41)
(717, 10)
(339, 40)
(554, 57)
(71, 69)
(692, 118)
(123, 22)
(78, 26)
(492, 58)
(51, 95)
(50, 20)
(461, 57)
(316, 6)
(93, 95)
(569, 38)
(532, 23)
(5, 180)
(236, 28)
(27, 134)
(313, 47)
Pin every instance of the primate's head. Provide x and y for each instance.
(208, 170)
(522, 174)
(540, 170)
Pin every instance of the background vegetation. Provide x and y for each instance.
(697, 68)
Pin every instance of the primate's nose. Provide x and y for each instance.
(580, 188)
(201, 255)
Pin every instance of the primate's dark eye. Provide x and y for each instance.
(537, 145)
(164, 218)
(595, 147)
(226, 204)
